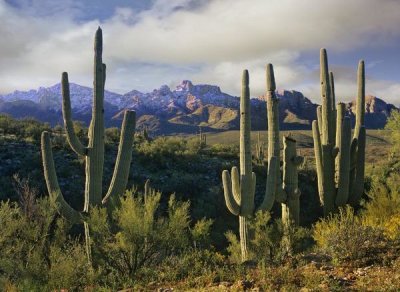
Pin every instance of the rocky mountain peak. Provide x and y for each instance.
(185, 85)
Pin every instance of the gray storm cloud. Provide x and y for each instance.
(207, 41)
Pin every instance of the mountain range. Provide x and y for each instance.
(180, 110)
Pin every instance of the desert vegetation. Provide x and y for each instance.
(322, 219)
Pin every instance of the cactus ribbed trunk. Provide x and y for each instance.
(95, 156)
(343, 162)
(247, 197)
(291, 207)
(244, 237)
(357, 189)
(273, 131)
(339, 123)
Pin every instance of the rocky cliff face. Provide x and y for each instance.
(182, 109)
(376, 111)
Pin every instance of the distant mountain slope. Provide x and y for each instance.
(182, 109)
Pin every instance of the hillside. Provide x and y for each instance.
(180, 110)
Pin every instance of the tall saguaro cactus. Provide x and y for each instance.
(287, 192)
(94, 152)
(339, 161)
(239, 190)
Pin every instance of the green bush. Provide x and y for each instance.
(345, 238)
(141, 236)
(36, 253)
(270, 242)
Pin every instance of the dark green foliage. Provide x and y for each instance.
(28, 128)
(36, 253)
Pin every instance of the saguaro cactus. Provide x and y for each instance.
(339, 161)
(291, 162)
(202, 138)
(286, 193)
(239, 190)
(94, 152)
(259, 151)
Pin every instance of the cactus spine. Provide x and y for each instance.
(239, 190)
(94, 152)
(339, 161)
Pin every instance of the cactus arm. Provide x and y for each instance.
(124, 157)
(52, 182)
(358, 186)
(327, 126)
(333, 105)
(319, 119)
(253, 183)
(73, 140)
(235, 184)
(360, 106)
(343, 164)
(269, 196)
(318, 159)
(230, 201)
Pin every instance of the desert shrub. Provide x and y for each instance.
(194, 145)
(226, 151)
(270, 242)
(383, 206)
(140, 236)
(345, 238)
(197, 267)
(164, 146)
(393, 125)
(36, 254)
(112, 135)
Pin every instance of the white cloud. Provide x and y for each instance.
(207, 41)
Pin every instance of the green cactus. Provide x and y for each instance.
(202, 138)
(287, 192)
(94, 152)
(339, 161)
(239, 190)
(259, 149)
(291, 162)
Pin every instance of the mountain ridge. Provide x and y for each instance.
(183, 109)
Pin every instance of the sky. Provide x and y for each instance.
(148, 43)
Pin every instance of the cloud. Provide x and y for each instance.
(209, 41)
